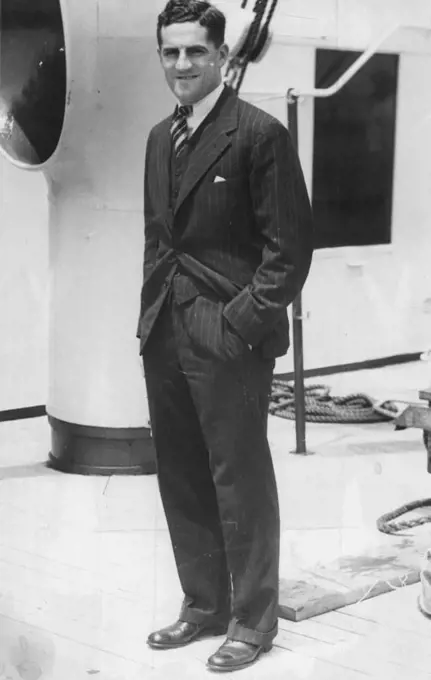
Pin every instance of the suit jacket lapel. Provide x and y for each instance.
(214, 140)
(163, 169)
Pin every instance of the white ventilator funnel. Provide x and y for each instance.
(80, 88)
(95, 63)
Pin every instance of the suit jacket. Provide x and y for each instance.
(245, 241)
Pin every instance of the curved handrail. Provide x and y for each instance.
(355, 67)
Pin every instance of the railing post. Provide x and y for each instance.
(298, 348)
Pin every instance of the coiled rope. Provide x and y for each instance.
(321, 407)
(387, 525)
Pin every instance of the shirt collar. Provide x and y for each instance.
(203, 107)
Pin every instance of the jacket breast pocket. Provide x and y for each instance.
(226, 198)
(220, 182)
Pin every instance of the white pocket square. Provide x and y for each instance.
(217, 178)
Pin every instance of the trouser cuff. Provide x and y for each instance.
(199, 617)
(240, 633)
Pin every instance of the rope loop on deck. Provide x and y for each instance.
(321, 407)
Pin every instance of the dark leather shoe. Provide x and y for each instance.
(182, 633)
(234, 655)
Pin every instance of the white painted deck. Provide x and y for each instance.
(86, 569)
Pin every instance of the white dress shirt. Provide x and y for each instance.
(203, 107)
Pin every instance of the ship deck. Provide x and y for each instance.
(86, 568)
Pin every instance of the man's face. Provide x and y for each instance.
(191, 63)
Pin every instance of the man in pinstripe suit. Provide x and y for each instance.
(228, 245)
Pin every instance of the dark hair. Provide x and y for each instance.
(208, 16)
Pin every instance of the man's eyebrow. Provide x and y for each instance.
(186, 47)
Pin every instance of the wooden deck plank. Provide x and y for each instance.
(338, 619)
(375, 635)
(362, 638)
(406, 651)
(299, 666)
(352, 578)
(88, 585)
(75, 659)
(278, 665)
(380, 666)
(68, 659)
(93, 617)
(397, 611)
(127, 581)
(317, 630)
(387, 655)
(368, 617)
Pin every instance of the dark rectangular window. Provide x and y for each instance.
(354, 137)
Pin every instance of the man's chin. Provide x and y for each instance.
(186, 93)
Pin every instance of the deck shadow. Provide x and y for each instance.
(27, 470)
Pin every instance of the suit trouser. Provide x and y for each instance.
(216, 478)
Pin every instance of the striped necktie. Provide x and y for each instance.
(179, 129)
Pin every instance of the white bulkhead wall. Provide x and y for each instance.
(369, 302)
(361, 302)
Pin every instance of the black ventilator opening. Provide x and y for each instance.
(32, 79)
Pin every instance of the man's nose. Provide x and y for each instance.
(183, 61)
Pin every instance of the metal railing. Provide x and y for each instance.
(292, 97)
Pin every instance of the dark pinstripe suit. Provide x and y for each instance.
(233, 255)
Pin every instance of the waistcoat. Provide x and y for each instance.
(182, 288)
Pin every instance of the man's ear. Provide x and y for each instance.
(223, 54)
